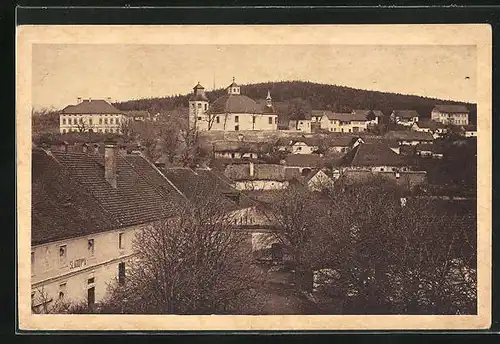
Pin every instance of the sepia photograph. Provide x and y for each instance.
(254, 177)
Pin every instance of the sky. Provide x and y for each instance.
(61, 73)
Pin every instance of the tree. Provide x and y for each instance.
(195, 263)
(192, 151)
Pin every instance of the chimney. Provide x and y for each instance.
(110, 156)
(252, 169)
(78, 100)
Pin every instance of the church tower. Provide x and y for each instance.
(269, 100)
(198, 107)
(233, 89)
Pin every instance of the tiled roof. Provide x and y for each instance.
(240, 146)
(305, 160)
(409, 136)
(141, 195)
(451, 108)
(95, 106)
(432, 125)
(365, 155)
(365, 113)
(345, 117)
(60, 207)
(241, 172)
(405, 113)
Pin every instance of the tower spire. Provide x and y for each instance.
(268, 99)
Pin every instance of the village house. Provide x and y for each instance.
(305, 163)
(427, 150)
(300, 145)
(367, 160)
(94, 115)
(231, 112)
(315, 180)
(139, 115)
(404, 117)
(376, 115)
(451, 114)
(411, 138)
(260, 176)
(342, 122)
(437, 129)
(301, 122)
(240, 149)
(341, 143)
(86, 208)
(470, 130)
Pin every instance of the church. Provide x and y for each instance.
(231, 112)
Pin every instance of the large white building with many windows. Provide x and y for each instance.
(451, 114)
(231, 112)
(96, 115)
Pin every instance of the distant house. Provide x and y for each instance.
(409, 137)
(305, 161)
(91, 115)
(257, 176)
(435, 151)
(367, 160)
(470, 130)
(376, 115)
(301, 122)
(437, 129)
(342, 122)
(404, 117)
(301, 145)
(451, 114)
(240, 149)
(138, 115)
(315, 180)
(340, 144)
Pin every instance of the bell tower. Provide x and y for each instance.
(233, 89)
(198, 107)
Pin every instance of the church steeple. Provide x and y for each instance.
(233, 88)
(269, 99)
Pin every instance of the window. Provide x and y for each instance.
(32, 263)
(90, 247)
(217, 119)
(236, 127)
(91, 296)
(299, 148)
(105, 121)
(100, 130)
(100, 120)
(206, 106)
(81, 120)
(120, 240)
(111, 130)
(62, 290)
(236, 119)
(91, 280)
(253, 120)
(90, 121)
(62, 255)
(110, 121)
(232, 155)
(199, 118)
(64, 121)
(121, 273)
(275, 120)
(270, 120)
(64, 131)
(106, 131)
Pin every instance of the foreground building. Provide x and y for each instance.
(231, 112)
(94, 115)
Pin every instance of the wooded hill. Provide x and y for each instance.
(307, 95)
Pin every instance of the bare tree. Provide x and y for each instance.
(193, 264)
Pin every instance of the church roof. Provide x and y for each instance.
(235, 103)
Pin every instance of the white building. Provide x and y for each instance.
(451, 114)
(231, 112)
(342, 122)
(96, 115)
(404, 117)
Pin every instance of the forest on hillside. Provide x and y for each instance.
(306, 95)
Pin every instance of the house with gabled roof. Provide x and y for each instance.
(404, 117)
(87, 207)
(437, 129)
(350, 122)
(94, 115)
(450, 114)
(376, 116)
(409, 137)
